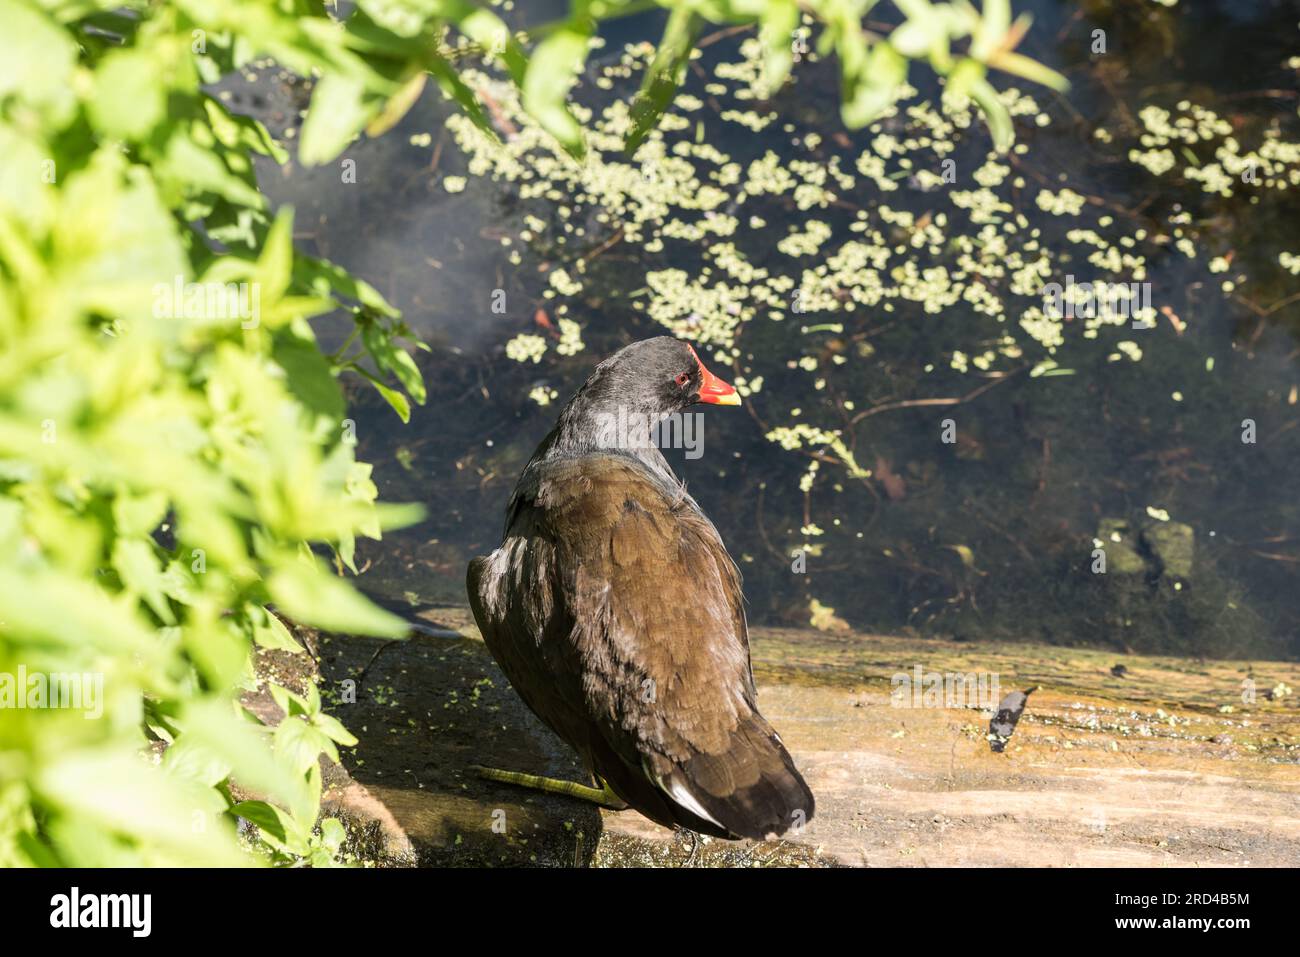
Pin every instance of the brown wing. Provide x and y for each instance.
(619, 612)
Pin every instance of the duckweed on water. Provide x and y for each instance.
(691, 193)
(678, 193)
(838, 277)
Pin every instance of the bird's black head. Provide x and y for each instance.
(628, 400)
(659, 375)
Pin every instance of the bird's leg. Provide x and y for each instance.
(603, 796)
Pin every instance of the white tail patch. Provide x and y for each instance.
(677, 791)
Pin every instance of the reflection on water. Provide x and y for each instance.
(913, 453)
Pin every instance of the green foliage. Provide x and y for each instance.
(873, 68)
(172, 438)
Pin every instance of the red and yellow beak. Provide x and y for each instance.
(712, 389)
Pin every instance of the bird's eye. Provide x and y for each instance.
(683, 378)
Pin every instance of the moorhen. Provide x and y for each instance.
(616, 613)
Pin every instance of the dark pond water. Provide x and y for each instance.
(962, 460)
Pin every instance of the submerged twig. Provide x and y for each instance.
(921, 403)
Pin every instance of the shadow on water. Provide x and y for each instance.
(990, 536)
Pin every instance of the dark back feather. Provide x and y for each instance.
(616, 613)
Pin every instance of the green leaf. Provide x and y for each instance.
(405, 18)
(38, 60)
(995, 114)
(334, 729)
(286, 700)
(326, 278)
(270, 632)
(313, 699)
(265, 816)
(37, 853)
(876, 88)
(452, 85)
(128, 100)
(309, 376)
(663, 75)
(24, 159)
(219, 650)
(993, 27)
(301, 744)
(1032, 70)
(311, 596)
(235, 131)
(113, 791)
(138, 566)
(187, 169)
(307, 808)
(550, 76)
(275, 265)
(114, 240)
(244, 746)
(138, 515)
(191, 760)
(339, 111)
(11, 526)
(394, 398)
(963, 75)
(393, 359)
(398, 105)
(780, 20)
(488, 30)
(332, 834)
